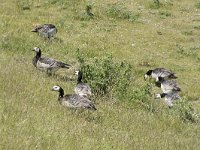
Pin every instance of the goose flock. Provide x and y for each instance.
(165, 79)
(50, 65)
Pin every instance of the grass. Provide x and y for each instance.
(31, 117)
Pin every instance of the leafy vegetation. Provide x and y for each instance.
(118, 11)
(105, 76)
(118, 44)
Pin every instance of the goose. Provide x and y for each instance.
(45, 30)
(73, 100)
(160, 72)
(82, 88)
(47, 64)
(170, 98)
(167, 86)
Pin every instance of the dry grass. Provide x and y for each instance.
(30, 115)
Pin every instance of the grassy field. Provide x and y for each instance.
(144, 34)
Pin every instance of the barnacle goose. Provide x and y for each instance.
(47, 64)
(170, 98)
(167, 86)
(73, 100)
(45, 30)
(81, 88)
(160, 72)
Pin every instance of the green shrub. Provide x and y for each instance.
(197, 27)
(186, 51)
(197, 5)
(24, 4)
(142, 95)
(121, 12)
(114, 79)
(185, 111)
(87, 15)
(106, 76)
(155, 5)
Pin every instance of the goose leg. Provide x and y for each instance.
(49, 72)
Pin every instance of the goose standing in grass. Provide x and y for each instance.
(81, 88)
(47, 64)
(45, 30)
(167, 86)
(170, 98)
(160, 72)
(73, 100)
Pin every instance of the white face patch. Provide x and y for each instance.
(157, 96)
(157, 79)
(56, 88)
(76, 72)
(36, 49)
(146, 76)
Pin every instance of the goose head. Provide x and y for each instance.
(35, 29)
(79, 74)
(160, 95)
(56, 88)
(148, 74)
(36, 49)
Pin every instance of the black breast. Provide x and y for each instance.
(35, 59)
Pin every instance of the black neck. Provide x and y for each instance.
(149, 72)
(158, 84)
(36, 58)
(163, 95)
(38, 54)
(161, 79)
(61, 93)
(79, 80)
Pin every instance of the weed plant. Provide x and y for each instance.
(106, 76)
(118, 11)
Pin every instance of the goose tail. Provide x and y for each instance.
(92, 107)
(63, 65)
(173, 76)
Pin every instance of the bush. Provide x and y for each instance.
(155, 5)
(142, 96)
(106, 76)
(197, 5)
(121, 12)
(185, 111)
(87, 15)
(114, 79)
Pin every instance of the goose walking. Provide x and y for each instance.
(82, 88)
(170, 98)
(45, 30)
(47, 64)
(167, 86)
(160, 72)
(73, 100)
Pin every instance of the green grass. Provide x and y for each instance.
(134, 31)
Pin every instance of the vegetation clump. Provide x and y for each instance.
(117, 11)
(106, 76)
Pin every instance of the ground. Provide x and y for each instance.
(141, 32)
